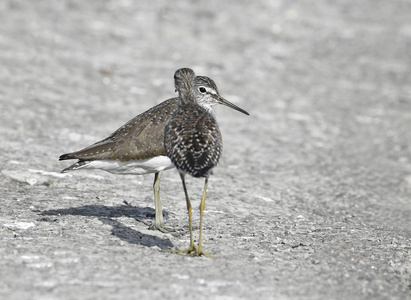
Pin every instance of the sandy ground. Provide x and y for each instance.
(311, 199)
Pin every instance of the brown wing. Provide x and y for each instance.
(140, 138)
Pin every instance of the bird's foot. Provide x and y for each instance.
(159, 227)
(199, 251)
(187, 251)
(163, 228)
(191, 251)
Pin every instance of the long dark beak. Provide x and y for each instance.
(225, 102)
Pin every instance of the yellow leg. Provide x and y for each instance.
(159, 221)
(199, 250)
(191, 249)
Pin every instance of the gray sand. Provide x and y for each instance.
(311, 199)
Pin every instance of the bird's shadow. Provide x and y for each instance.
(106, 215)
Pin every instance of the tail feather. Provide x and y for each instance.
(67, 156)
(78, 165)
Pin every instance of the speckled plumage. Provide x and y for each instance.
(193, 140)
(140, 138)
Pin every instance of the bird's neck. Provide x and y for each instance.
(187, 97)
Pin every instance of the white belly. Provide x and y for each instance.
(134, 167)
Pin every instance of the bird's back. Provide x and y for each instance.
(140, 138)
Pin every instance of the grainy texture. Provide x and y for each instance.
(310, 200)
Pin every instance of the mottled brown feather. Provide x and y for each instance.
(140, 138)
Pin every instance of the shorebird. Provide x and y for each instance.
(193, 143)
(137, 147)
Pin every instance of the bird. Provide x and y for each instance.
(193, 143)
(137, 147)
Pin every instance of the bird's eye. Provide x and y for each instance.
(202, 89)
